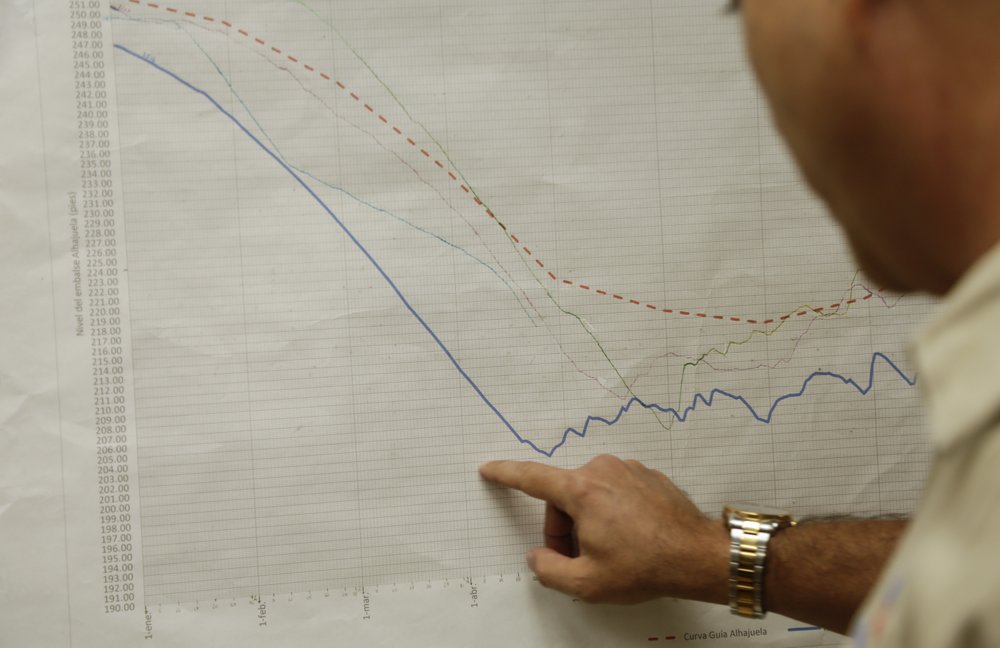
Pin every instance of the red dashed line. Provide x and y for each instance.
(479, 202)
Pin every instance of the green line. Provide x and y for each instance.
(729, 346)
(447, 156)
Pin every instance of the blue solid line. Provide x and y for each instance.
(805, 629)
(680, 415)
(343, 227)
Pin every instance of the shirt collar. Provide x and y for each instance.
(958, 356)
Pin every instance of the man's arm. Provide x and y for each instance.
(820, 572)
(618, 532)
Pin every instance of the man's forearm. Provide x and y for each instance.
(619, 532)
(821, 572)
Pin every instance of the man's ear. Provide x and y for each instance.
(864, 23)
(860, 16)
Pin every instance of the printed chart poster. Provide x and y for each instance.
(279, 276)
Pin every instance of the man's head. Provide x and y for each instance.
(892, 109)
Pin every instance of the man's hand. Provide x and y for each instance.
(618, 532)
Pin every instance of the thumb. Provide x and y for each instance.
(557, 571)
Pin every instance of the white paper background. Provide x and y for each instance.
(298, 438)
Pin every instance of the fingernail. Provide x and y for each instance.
(531, 559)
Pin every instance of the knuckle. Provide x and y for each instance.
(578, 487)
(588, 590)
(605, 461)
(662, 476)
(543, 578)
(520, 469)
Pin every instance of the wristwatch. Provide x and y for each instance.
(751, 527)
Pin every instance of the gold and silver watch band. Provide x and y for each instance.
(750, 530)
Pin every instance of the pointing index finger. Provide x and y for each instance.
(530, 477)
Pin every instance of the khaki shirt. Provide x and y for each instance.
(942, 587)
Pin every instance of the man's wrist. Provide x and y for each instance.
(712, 560)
